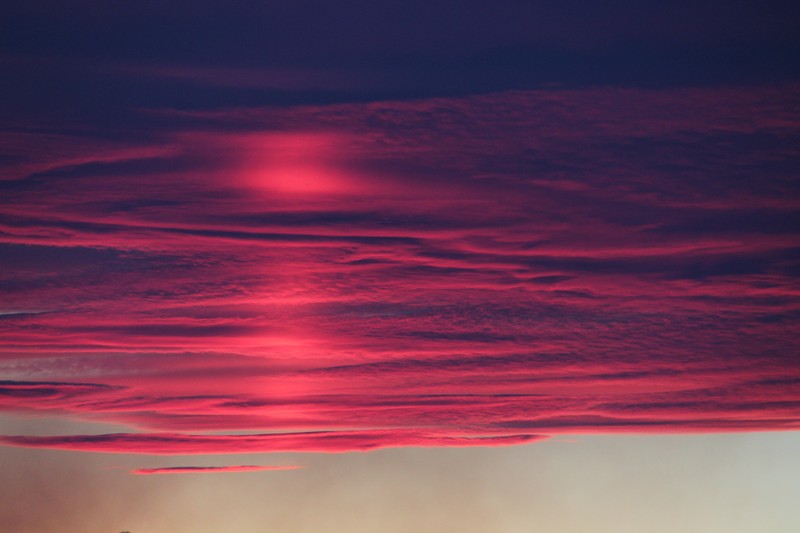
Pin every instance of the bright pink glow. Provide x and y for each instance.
(212, 469)
(301, 165)
(356, 277)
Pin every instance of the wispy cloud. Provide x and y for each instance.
(280, 79)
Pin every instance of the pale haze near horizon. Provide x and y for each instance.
(732, 483)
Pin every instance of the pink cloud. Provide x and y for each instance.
(212, 469)
(550, 261)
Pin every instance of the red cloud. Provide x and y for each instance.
(544, 261)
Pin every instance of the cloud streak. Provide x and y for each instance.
(211, 469)
(319, 442)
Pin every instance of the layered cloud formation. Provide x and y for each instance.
(444, 272)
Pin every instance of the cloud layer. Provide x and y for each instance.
(444, 272)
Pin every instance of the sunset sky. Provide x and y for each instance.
(399, 267)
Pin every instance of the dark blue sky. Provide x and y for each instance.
(96, 60)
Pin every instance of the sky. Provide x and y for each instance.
(399, 266)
